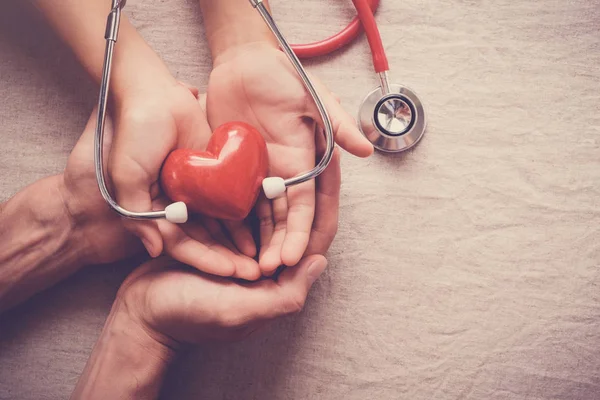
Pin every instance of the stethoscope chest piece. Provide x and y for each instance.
(393, 122)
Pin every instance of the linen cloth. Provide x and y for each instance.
(467, 268)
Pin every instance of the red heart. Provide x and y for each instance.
(225, 180)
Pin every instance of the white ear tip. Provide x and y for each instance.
(273, 187)
(177, 213)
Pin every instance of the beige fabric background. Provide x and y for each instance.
(465, 269)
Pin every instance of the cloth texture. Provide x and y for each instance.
(467, 268)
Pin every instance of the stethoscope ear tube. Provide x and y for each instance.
(177, 212)
(275, 186)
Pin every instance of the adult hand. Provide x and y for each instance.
(254, 82)
(163, 305)
(178, 305)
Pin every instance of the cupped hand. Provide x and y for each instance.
(199, 243)
(177, 305)
(256, 83)
(150, 123)
(164, 304)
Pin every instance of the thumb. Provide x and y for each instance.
(345, 129)
(132, 187)
(267, 300)
(288, 295)
(299, 279)
(138, 199)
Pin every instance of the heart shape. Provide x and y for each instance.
(225, 180)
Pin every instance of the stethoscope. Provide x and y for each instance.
(391, 116)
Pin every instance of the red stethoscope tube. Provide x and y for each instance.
(365, 20)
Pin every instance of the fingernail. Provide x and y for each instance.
(315, 270)
(148, 247)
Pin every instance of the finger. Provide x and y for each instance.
(270, 260)
(264, 213)
(268, 299)
(210, 236)
(345, 129)
(325, 225)
(194, 251)
(194, 90)
(242, 237)
(148, 232)
(215, 230)
(301, 212)
(244, 267)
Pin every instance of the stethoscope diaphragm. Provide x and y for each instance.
(393, 122)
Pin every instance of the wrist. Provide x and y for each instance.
(132, 334)
(232, 25)
(40, 245)
(82, 24)
(132, 300)
(233, 51)
(136, 68)
(77, 218)
(226, 45)
(67, 244)
(127, 361)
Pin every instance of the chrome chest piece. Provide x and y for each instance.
(392, 118)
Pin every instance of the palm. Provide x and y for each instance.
(260, 87)
(188, 306)
(240, 90)
(148, 128)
